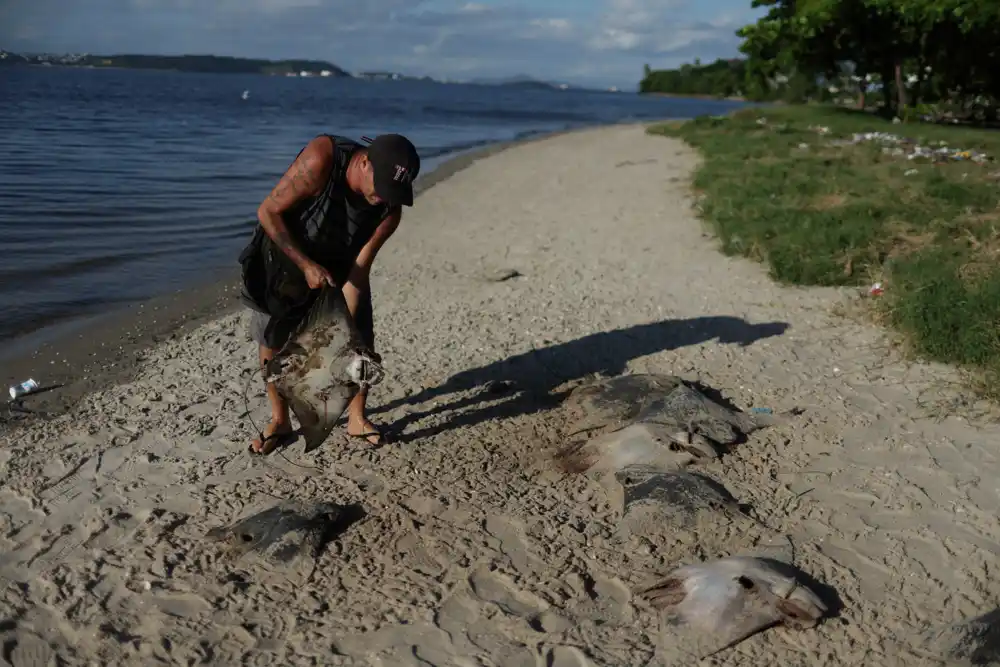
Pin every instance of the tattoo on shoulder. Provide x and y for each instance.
(300, 180)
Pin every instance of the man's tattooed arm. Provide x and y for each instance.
(304, 178)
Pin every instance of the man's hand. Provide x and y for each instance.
(317, 276)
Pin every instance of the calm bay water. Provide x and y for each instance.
(120, 185)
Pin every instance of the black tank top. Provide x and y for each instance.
(331, 228)
(335, 225)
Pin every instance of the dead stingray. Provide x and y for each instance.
(972, 642)
(664, 447)
(652, 420)
(322, 367)
(720, 603)
(674, 497)
(284, 532)
(681, 513)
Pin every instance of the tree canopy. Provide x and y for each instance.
(915, 51)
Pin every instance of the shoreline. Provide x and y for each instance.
(699, 96)
(79, 358)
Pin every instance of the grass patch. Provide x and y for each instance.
(819, 212)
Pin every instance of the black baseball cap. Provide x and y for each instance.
(395, 165)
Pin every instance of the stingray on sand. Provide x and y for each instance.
(973, 642)
(322, 367)
(652, 420)
(285, 532)
(720, 603)
(642, 432)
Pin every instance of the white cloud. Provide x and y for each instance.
(615, 38)
(285, 5)
(553, 26)
(658, 27)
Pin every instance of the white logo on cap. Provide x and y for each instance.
(402, 174)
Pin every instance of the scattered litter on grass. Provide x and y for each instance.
(896, 145)
(910, 172)
(899, 146)
(875, 290)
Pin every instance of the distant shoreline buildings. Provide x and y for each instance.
(232, 65)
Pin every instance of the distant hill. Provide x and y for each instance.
(185, 63)
(8, 58)
(519, 81)
(232, 65)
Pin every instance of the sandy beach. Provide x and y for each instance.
(467, 546)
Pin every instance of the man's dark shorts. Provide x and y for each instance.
(259, 322)
(283, 328)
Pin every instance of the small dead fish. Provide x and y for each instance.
(500, 275)
(731, 599)
(322, 367)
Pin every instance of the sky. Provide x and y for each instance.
(584, 42)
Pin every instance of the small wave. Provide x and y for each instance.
(21, 320)
(509, 115)
(76, 267)
(430, 152)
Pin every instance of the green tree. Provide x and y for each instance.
(919, 49)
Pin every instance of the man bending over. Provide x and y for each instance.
(324, 223)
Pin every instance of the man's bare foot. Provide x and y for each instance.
(281, 432)
(362, 428)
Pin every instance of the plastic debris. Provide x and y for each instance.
(899, 146)
(23, 389)
(875, 290)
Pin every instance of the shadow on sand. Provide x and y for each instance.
(534, 375)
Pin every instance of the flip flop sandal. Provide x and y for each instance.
(382, 439)
(264, 451)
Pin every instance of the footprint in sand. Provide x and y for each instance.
(605, 600)
(69, 485)
(97, 528)
(180, 605)
(512, 543)
(30, 651)
(566, 656)
(496, 588)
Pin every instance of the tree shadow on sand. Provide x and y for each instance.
(530, 378)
